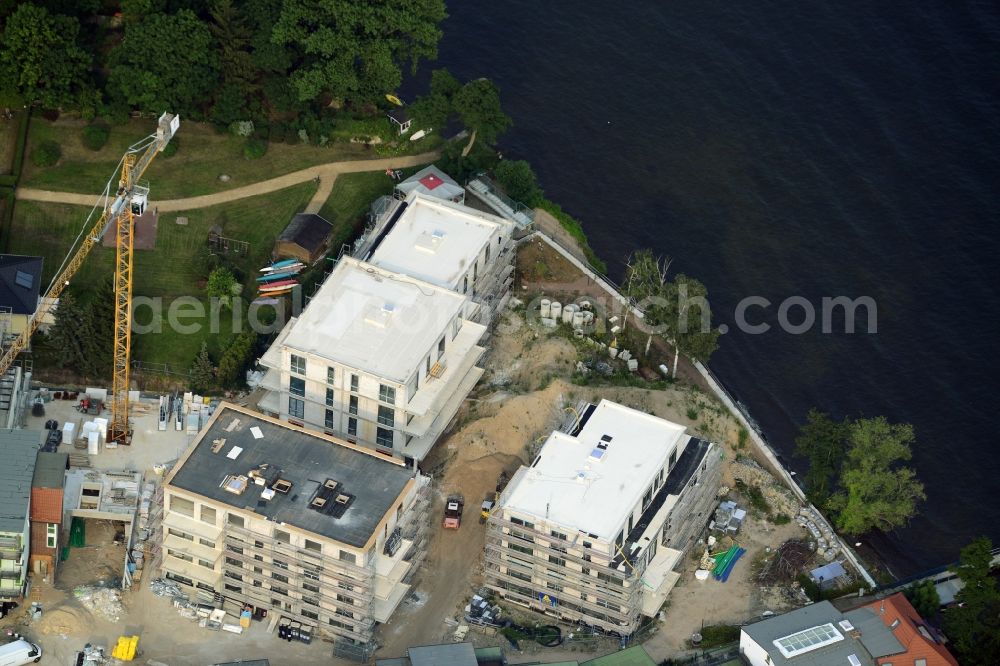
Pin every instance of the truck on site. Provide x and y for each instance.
(453, 512)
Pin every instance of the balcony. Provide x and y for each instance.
(659, 578)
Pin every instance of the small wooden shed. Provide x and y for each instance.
(304, 238)
(401, 119)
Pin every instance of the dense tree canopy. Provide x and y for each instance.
(973, 625)
(166, 61)
(477, 103)
(823, 442)
(40, 58)
(354, 49)
(876, 492)
(676, 309)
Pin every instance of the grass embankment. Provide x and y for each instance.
(575, 229)
(194, 170)
(175, 268)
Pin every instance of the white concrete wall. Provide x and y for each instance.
(753, 653)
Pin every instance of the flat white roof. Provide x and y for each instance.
(436, 240)
(374, 320)
(582, 487)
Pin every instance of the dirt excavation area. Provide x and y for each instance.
(537, 374)
(532, 384)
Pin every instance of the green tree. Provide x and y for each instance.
(40, 58)
(678, 310)
(519, 180)
(64, 337)
(221, 285)
(477, 103)
(444, 84)
(233, 32)
(235, 360)
(876, 491)
(924, 598)
(646, 287)
(354, 49)
(823, 442)
(166, 62)
(689, 324)
(202, 371)
(973, 625)
(102, 341)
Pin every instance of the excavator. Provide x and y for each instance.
(117, 209)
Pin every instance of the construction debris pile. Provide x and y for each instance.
(785, 563)
(104, 601)
(206, 615)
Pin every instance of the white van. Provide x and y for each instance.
(19, 652)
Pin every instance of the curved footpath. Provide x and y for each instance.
(325, 173)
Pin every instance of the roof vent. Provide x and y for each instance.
(853, 660)
(282, 486)
(598, 453)
(331, 484)
(234, 453)
(429, 242)
(606, 438)
(846, 625)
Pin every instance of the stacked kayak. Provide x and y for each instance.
(279, 278)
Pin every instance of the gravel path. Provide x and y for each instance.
(326, 173)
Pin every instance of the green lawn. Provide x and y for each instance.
(203, 156)
(177, 266)
(350, 200)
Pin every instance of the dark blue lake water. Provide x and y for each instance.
(781, 148)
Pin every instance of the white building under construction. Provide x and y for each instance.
(307, 527)
(591, 532)
(386, 351)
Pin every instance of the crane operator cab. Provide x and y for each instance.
(139, 199)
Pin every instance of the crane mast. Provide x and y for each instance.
(119, 208)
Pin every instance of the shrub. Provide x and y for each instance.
(517, 177)
(719, 634)
(172, 147)
(291, 134)
(46, 154)
(781, 519)
(254, 149)
(95, 136)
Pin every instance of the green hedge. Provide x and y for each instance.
(10, 180)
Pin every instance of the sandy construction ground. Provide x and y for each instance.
(525, 393)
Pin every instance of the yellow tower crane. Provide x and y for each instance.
(118, 206)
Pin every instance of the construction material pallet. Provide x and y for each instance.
(79, 460)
